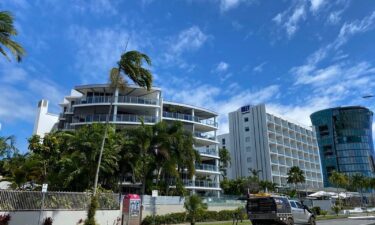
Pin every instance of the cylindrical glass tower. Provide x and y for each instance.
(344, 137)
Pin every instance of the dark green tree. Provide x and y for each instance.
(7, 32)
(224, 163)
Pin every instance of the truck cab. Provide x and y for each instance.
(271, 210)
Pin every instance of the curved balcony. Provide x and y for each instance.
(207, 168)
(120, 118)
(120, 99)
(209, 152)
(200, 184)
(187, 117)
(204, 139)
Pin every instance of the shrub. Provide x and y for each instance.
(4, 219)
(48, 221)
(323, 212)
(205, 216)
(336, 209)
(316, 210)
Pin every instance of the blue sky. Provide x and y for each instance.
(296, 56)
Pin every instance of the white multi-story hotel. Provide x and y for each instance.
(264, 141)
(90, 104)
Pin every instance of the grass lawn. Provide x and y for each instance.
(331, 217)
(245, 222)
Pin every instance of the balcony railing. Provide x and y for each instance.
(119, 118)
(137, 100)
(200, 183)
(189, 118)
(67, 126)
(208, 151)
(206, 167)
(205, 136)
(121, 99)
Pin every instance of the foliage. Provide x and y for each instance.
(91, 211)
(316, 210)
(48, 221)
(241, 186)
(323, 212)
(194, 206)
(7, 31)
(266, 185)
(7, 146)
(336, 209)
(295, 176)
(205, 216)
(4, 219)
(224, 161)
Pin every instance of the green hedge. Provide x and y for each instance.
(207, 216)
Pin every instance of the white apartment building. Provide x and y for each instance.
(90, 104)
(261, 140)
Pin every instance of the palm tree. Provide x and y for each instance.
(358, 183)
(267, 185)
(7, 146)
(130, 66)
(295, 176)
(7, 30)
(339, 180)
(194, 205)
(224, 161)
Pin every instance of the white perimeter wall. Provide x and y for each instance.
(103, 217)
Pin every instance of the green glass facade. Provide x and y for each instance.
(345, 142)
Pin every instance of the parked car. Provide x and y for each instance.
(270, 210)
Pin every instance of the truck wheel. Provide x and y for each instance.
(290, 221)
(312, 221)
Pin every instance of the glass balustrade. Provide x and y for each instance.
(120, 99)
(188, 117)
(200, 183)
(206, 167)
(119, 118)
(205, 136)
(208, 151)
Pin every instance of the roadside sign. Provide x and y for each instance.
(154, 193)
(44, 188)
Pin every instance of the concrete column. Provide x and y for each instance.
(115, 104)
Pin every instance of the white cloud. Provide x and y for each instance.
(226, 5)
(334, 17)
(24, 87)
(355, 27)
(259, 68)
(188, 40)
(221, 67)
(290, 18)
(98, 51)
(316, 5)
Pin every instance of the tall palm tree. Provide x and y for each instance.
(7, 31)
(224, 161)
(295, 176)
(130, 66)
(358, 183)
(7, 146)
(339, 180)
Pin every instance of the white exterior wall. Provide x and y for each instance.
(44, 121)
(62, 217)
(269, 143)
(224, 142)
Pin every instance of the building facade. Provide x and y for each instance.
(90, 104)
(264, 141)
(44, 121)
(345, 140)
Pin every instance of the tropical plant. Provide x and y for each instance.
(7, 31)
(48, 221)
(357, 181)
(339, 180)
(336, 209)
(92, 211)
(224, 161)
(266, 185)
(7, 146)
(295, 176)
(130, 66)
(194, 205)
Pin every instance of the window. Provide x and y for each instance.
(323, 130)
(328, 151)
(246, 119)
(247, 129)
(247, 139)
(249, 159)
(293, 204)
(223, 141)
(248, 149)
(299, 205)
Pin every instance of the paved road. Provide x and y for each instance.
(346, 222)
